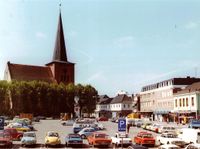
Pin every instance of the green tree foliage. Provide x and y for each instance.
(41, 98)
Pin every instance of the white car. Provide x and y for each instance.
(163, 129)
(170, 138)
(169, 146)
(155, 127)
(117, 140)
(193, 146)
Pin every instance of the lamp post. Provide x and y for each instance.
(76, 107)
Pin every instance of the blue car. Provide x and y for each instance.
(73, 140)
(29, 138)
(85, 132)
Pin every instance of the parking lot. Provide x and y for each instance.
(55, 125)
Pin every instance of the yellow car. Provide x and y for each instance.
(19, 127)
(52, 139)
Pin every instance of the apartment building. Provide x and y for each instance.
(187, 102)
(156, 100)
(120, 105)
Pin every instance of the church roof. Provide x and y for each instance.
(60, 49)
(21, 72)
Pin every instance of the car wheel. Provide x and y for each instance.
(83, 136)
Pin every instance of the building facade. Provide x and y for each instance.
(120, 105)
(187, 102)
(156, 100)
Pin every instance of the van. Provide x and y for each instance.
(194, 124)
(189, 135)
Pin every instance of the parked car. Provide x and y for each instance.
(135, 146)
(193, 146)
(18, 127)
(194, 123)
(170, 138)
(28, 139)
(163, 129)
(52, 139)
(117, 140)
(189, 135)
(144, 138)
(149, 127)
(68, 123)
(169, 146)
(99, 139)
(5, 140)
(103, 119)
(77, 127)
(144, 126)
(73, 140)
(138, 123)
(85, 132)
(16, 135)
(155, 127)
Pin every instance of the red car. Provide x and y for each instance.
(103, 119)
(14, 133)
(5, 140)
(144, 138)
(99, 139)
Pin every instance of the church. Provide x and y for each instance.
(57, 71)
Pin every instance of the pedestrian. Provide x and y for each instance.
(128, 128)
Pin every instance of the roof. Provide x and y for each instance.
(121, 98)
(22, 72)
(104, 99)
(190, 88)
(60, 49)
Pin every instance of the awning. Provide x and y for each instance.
(161, 112)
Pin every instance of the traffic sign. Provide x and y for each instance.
(1, 123)
(122, 124)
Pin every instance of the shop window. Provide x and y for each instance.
(180, 103)
(186, 102)
(183, 102)
(192, 101)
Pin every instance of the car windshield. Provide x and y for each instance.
(101, 136)
(53, 134)
(29, 135)
(171, 136)
(147, 136)
(74, 136)
(174, 148)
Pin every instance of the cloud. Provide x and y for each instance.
(191, 25)
(40, 35)
(125, 42)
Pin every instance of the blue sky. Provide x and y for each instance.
(116, 44)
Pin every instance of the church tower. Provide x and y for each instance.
(62, 69)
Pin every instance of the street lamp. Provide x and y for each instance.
(76, 106)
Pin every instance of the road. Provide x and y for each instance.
(55, 125)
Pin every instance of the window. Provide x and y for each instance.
(183, 102)
(186, 102)
(176, 102)
(192, 101)
(180, 103)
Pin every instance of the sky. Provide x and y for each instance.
(116, 44)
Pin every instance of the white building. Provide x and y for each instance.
(156, 100)
(187, 102)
